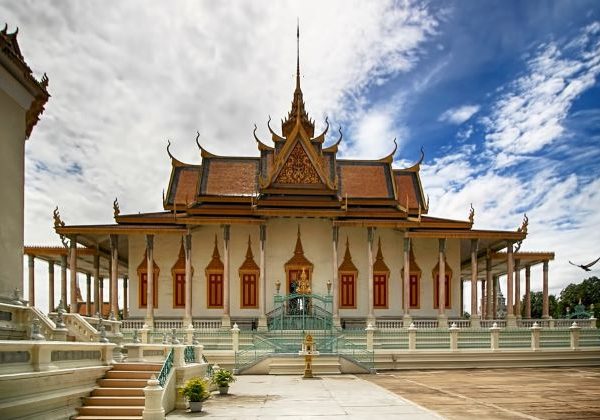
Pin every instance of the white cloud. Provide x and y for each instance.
(530, 114)
(126, 78)
(460, 114)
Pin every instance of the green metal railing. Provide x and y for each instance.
(356, 354)
(555, 338)
(209, 369)
(189, 354)
(514, 338)
(589, 337)
(166, 369)
(214, 339)
(386, 339)
(432, 339)
(301, 312)
(474, 339)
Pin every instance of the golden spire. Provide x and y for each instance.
(298, 114)
(216, 249)
(298, 250)
(249, 255)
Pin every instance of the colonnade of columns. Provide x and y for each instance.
(490, 284)
(94, 290)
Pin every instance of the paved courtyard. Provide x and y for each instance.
(290, 397)
(540, 393)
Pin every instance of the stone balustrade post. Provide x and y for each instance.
(575, 330)
(550, 322)
(198, 352)
(535, 336)
(153, 409)
(412, 337)
(370, 337)
(189, 334)
(144, 334)
(495, 338)
(41, 358)
(235, 338)
(178, 355)
(454, 330)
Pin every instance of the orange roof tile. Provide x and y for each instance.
(230, 177)
(186, 186)
(405, 183)
(365, 179)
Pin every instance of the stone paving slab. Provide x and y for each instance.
(531, 393)
(290, 397)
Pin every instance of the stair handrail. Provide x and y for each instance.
(166, 369)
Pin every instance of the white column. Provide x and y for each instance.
(150, 281)
(517, 289)
(474, 314)
(406, 283)
(63, 280)
(545, 308)
(371, 315)
(510, 314)
(527, 291)
(490, 286)
(97, 297)
(262, 290)
(51, 304)
(88, 294)
(335, 280)
(31, 280)
(226, 320)
(73, 274)
(442, 319)
(188, 280)
(114, 256)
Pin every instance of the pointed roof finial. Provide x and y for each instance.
(298, 55)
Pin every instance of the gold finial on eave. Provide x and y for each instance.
(390, 158)
(472, 214)
(524, 224)
(116, 209)
(57, 220)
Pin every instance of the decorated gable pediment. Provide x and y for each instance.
(298, 169)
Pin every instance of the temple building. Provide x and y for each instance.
(22, 101)
(298, 219)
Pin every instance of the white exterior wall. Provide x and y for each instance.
(14, 101)
(316, 237)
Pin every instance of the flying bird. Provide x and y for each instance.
(585, 267)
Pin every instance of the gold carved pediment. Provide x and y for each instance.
(298, 169)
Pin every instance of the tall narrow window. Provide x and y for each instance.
(178, 273)
(414, 282)
(249, 274)
(447, 288)
(381, 274)
(142, 271)
(347, 274)
(214, 279)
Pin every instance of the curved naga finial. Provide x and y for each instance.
(390, 158)
(471, 214)
(116, 209)
(275, 135)
(334, 146)
(169, 149)
(321, 137)
(198, 140)
(57, 221)
(261, 145)
(524, 224)
(422, 156)
(4, 31)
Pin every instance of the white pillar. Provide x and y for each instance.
(150, 281)
(490, 286)
(114, 270)
(442, 319)
(527, 291)
(262, 290)
(51, 304)
(88, 294)
(153, 409)
(406, 283)
(188, 280)
(31, 267)
(63, 280)
(226, 320)
(97, 297)
(510, 314)
(474, 313)
(545, 306)
(73, 274)
(518, 289)
(335, 280)
(370, 234)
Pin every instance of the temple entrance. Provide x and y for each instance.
(298, 272)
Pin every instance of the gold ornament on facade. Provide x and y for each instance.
(57, 221)
(298, 169)
(303, 284)
(471, 214)
(116, 209)
(524, 224)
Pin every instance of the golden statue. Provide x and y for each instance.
(303, 284)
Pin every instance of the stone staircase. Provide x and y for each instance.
(120, 394)
(294, 365)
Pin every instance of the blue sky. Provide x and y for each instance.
(503, 96)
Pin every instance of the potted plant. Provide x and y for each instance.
(222, 378)
(196, 391)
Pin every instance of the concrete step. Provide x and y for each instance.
(123, 383)
(295, 366)
(114, 401)
(118, 392)
(129, 374)
(110, 411)
(107, 418)
(148, 367)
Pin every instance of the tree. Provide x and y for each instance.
(588, 291)
(537, 299)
